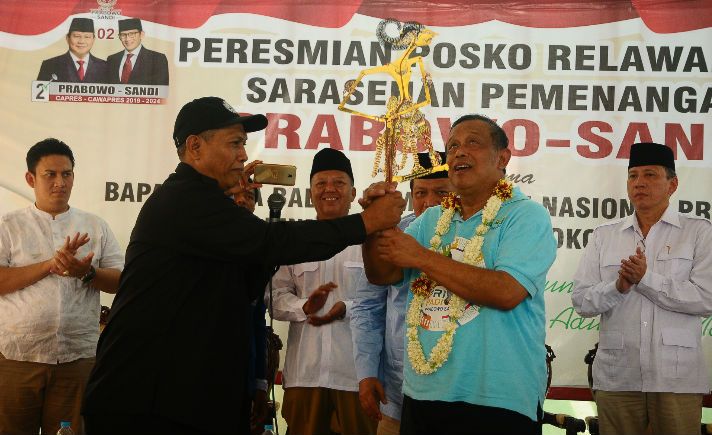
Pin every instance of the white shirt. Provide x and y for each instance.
(650, 337)
(77, 59)
(318, 356)
(56, 319)
(135, 53)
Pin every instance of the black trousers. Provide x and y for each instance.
(428, 417)
(123, 424)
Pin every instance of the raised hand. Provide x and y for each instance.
(243, 183)
(383, 212)
(72, 244)
(376, 190)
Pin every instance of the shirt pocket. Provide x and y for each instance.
(307, 278)
(611, 264)
(676, 261)
(679, 352)
(352, 272)
(29, 250)
(610, 354)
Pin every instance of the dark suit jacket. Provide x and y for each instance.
(64, 68)
(151, 68)
(177, 344)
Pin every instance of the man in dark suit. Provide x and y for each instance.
(77, 65)
(136, 64)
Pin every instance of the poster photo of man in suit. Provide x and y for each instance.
(136, 64)
(77, 65)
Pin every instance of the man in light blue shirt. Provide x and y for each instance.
(487, 372)
(649, 277)
(377, 318)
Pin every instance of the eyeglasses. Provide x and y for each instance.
(127, 35)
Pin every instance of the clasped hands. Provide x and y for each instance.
(316, 301)
(392, 245)
(65, 263)
(632, 271)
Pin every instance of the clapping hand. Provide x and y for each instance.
(317, 298)
(65, 263)
(338, 311)
(632, 271)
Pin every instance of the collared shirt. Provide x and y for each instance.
(377, 327)
(134, 58)
(650, 337)
(56, 319)
(498, 357)
(77, 59)
(318, 356)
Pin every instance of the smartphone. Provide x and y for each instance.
(267, 173)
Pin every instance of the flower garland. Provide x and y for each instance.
(422, 286)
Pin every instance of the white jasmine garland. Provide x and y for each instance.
(422, 286)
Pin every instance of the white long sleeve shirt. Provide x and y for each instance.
(56, 319)
(650, 337)
(318, 356)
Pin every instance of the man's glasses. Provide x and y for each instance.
(128, 35)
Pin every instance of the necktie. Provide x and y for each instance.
(126, 70)
(80, 71)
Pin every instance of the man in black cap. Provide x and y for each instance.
(649, 277)
(77, 65)
(136, 64)
(174, 356)
(378, 318)
(319, 374)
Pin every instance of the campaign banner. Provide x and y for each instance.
(573, 85)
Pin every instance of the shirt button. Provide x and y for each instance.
(645, 323)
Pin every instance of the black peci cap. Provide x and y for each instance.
(82, 25)
(130, 24)
(650, 153)
(330, 159)
(210, 113)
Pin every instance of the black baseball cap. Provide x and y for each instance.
(211, 113)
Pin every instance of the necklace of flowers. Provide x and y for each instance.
(422, 286)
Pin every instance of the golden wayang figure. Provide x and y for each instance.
(405, 124)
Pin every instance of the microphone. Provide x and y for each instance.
(275, 202)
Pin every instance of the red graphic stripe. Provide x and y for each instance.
(22, 17)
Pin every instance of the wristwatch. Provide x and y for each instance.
(90, 275)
